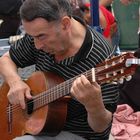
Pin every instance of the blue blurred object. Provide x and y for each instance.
(94, 12)
(95, 23)
(98, 28)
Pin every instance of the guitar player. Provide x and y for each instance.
(56, 42)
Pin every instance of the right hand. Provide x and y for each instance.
(19, 90)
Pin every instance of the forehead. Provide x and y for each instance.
(37, 26)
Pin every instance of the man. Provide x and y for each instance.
(59, 43)
(127, 2)
(133, 85)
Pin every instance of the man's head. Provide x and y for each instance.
(52, 27)
(49, 22)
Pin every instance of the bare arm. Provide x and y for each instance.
(90, 96)
(8, 69)
(18, 89)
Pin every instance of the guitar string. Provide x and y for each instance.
(30, 104)
(15, 108)
(41, 95)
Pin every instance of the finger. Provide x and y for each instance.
(74, 89)
(79, 84)
(76, 85)
(21, 99)
(84, 80)
(12, 99)
(95, 84)
(28, 94)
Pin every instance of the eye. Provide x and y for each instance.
(42, 37)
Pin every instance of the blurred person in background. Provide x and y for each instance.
(9, 16)
(127, 2)
(107, 23)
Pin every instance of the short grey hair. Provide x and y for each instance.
(50, 10)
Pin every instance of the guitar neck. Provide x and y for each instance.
(57, 91)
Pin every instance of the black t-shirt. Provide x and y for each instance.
(9, 7)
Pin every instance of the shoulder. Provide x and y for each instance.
(100, 44)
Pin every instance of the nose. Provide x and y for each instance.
(38, 43)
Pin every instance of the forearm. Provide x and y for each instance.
(8, 69)
(99, 118)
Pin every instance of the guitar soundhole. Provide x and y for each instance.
(30, 106)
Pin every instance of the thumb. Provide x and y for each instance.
(28, 94)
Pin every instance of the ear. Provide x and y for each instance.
(66, 22)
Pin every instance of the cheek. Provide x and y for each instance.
(54, 41)
(53, 44)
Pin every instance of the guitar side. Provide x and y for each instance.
(47, 119)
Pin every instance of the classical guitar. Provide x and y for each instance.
(47, 111)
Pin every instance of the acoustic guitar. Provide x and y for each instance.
(47, 111)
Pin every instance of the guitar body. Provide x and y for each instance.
(49, 118)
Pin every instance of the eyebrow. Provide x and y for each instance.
(37, 36)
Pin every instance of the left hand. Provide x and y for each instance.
(87, 93)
